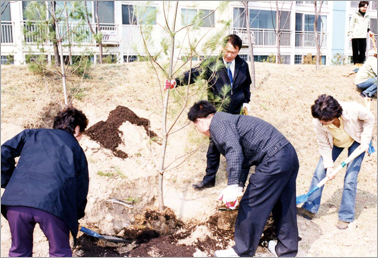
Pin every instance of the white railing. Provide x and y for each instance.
(307, 39)
(33, 33)
(7, 32)
(263, 37)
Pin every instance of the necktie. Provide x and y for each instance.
(229, 73)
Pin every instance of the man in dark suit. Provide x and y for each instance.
(228, 89)
(248, 141)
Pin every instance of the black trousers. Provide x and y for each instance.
(359, 49)
(213, 160)
(271, 189)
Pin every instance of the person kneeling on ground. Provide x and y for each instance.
(366, 78)
(49, 185)
(248, 141)
(338, 126)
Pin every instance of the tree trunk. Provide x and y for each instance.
(68, 32)
(250, 46)
(165, 109)
(317, 43)
(53, 29)
(99, 32)
(62, 65)
(278, 34)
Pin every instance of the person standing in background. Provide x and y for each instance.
(358, 28)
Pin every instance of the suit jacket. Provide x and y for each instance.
(245, 141)
(214, 71)
(51, 174)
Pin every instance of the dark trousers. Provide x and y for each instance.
(272, 188)
(22, 221)
(213, 160)
(359, 49)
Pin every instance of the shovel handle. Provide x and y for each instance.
(351, 157)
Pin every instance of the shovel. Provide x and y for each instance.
(99, 236)
(304, 197)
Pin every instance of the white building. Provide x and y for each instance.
(121, 36)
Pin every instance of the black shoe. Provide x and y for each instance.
(202, 185)
(305, 213)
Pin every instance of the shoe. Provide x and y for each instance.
(364, 95)
(230, 252)
(272, 247)
(305, 213)
(342, 225)
(202, 185)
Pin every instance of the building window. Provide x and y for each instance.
(7, 59)
(37, 15)
(105, 11)
(304, 30)
(298, 59)
(239, 18)
(309, 2)
(134, 15)
(244, 57)
(128, 16)
(285, 59)
(5, 11)
(373, 25)
(259, 58)
(129, 59)
(206, 17)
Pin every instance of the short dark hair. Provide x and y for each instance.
(326, 108)
(234, 39)
(201, 109)
(69, 118)
(363, 3)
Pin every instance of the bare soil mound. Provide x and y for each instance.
(108, 134)
(163, 235)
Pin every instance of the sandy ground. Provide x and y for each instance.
(283, 97)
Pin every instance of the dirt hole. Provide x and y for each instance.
(162, 234)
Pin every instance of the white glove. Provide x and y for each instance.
(230, 195)
(246, 107)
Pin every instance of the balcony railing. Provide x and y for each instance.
(307, 39)
(110, 33)
(263, 37)
(7, 32)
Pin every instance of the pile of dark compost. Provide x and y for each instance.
(108, 134)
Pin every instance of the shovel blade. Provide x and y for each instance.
(302, 198)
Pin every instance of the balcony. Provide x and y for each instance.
(262, 37)
(306, 39)
(7, 33)
(110, 33)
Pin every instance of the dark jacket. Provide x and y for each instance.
(51, 174)
(245, 141)
(216, 75)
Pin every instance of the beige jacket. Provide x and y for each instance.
(358, 26)
(368, 70)
(358, 123)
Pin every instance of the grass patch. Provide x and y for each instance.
(100, 173)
